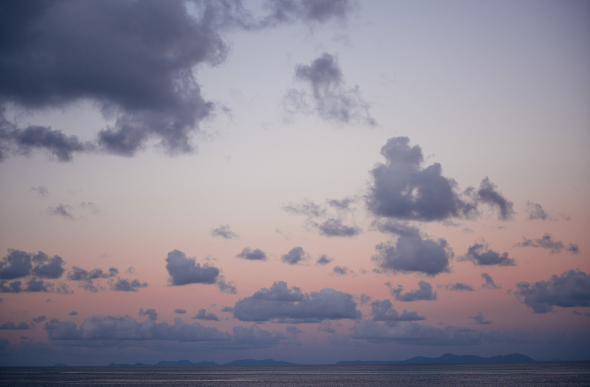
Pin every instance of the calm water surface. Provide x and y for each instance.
(537, 374)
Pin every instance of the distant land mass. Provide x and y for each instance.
(446, 358)
(449, 358)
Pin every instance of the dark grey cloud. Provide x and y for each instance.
(424, 293)
(18, 264)
(546, 242)
(13, 327)
(39, 319)
(480, 319)
(570, 289)
(73, 313)
(180, 311)
(535, 211)
(490, 284)
(334, 227)
(402, 189)
(397, 228)
(383, 311)
(150, 313)
(41, 190)
(324, 260)
(98, 327)
(284, 305)
(411, 333)
(86, 278)
(341, 270)
(224, 231)
(459, 287)
(414, 254)
(330, 98)
(125, 285)
(294, 256)
(487, 193)
(252, 255)
(61, 210)
(481, 255)
(203, 315)
(227, 309)
(184, 270)
(110, 53)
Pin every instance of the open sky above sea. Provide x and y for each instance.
(309, 181)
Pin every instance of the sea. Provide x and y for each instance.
(536, 374)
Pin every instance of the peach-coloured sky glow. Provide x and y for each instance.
(304, 181)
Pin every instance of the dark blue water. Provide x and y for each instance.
(536, 374)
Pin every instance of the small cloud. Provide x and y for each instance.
(324, 260)
(41, 190)
(223, 231)
(481, 255)
(73, 313)
(226, 287)
(490, 284)
(39, 319)
(150, 313)
(424, 293)
(252, 255)
(294, 256)
(15, 327)
(480, 319)
(125, 285)
(535, 211)
(179, 311)
(459, 287)
(227, 309)
(61, 210)
(203, 315)
(341, 270)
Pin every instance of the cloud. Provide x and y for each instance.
(180, 311)
(73, 313)
(87, 278)
(39, 319)
(535, 211)
(41, 190)
(18, 264)
(224, 231)
(402, 189)
(328, 220)
(335, 227)
(324, 260)
(226, 287)
(125, 285)
(330, 98)
(14, 327)
(150, 313)
(109, 52)
(184, 270)
(281, 304)
(283, 11)
(546, 242)
(203, 315)
(570, 289)
(294, 256)
(480, 319)
(478, 256)
(341, 270)
(397, 228)
(252, 255)
(61, 210)
(412, 333)
(425, 292)
(459, 287)
(487, 193)
(99, 327)
(414, 254)
(490, 284)
(383, 311)
(227, 309)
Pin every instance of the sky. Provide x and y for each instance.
(308, 181)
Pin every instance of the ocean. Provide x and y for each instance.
(536, 374)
